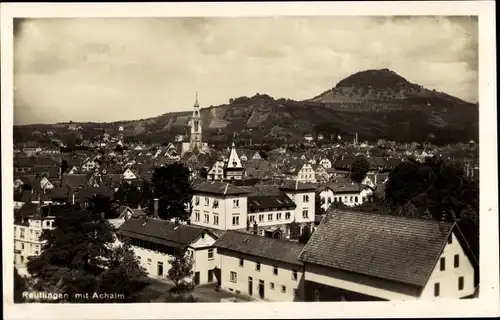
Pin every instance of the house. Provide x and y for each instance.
(326, 163)
(350, 194)
(261, 267)
(223, 206)
(29, 221)
(219, 205)
(129, 175)
(88, 165)
(155, 242)
(358, 256)
(300, 170)
(321, 173)
(216, 170)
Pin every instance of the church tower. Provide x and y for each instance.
(196, 130)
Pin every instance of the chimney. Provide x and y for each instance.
(255, 228)
(155, 207)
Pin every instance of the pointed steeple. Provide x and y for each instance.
(196, 104)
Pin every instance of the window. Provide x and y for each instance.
(305, 213)
(275, 270)
(216, 219)
(460, 283)
(149, 261)
(233, 277)
(287, 215)
(236, 221)
(436, 289)
(350, 199)
(207, 217)
(22, 233)
(22, 246)
(22, 259)
(196, 201)
(210, 254)
(316, 294)
(196, 216)
(216, 203)
(283, 289)
(278, 216)
(257, 266)
(441, 264)
(356, 199)
(207, 202)
(305, 198)
(36, 252)
(271, 285)
(270, 217)
(294, 275)
(261, 218)
(160, 268)
(251, 218)
(236, 203)
(241, 262)
(329, 199)
(37, 235)
(456, 261)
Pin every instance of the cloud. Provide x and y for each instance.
(115, 69)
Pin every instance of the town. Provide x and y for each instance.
(323, 219)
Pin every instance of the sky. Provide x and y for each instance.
(89, 69)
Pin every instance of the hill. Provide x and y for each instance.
(377, 104)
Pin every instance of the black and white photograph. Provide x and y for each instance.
(225, 157)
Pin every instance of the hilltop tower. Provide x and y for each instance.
(196, 129)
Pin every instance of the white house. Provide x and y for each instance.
(129, 175)
(88, 165)
(216, 170)
(156, 241)
(224, 206)
(28, 225)
(219, 205)
(350, 194)
(326, 163)
(264, 268)
(300, 170)
(361, 256)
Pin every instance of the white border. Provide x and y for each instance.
(488, 303)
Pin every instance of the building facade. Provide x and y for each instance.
(358, 256)
(263, 268)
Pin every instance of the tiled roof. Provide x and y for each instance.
(383, 246)
(74, 180)
(160, 231)
(296, 185)
(215, 187)
(268, 202)
(338, 187)
(259, 246)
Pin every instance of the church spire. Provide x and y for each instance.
(196, 104)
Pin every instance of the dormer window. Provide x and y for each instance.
(216, 203)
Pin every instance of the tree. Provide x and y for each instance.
(181, 267)
(20, 286)
(294, 230)
(359, 169)
(129, 195)
(78, 257)
(172, 187)
(305, 236)
(123, 264)
(101, 204)
(318, 205)
(63, 168)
